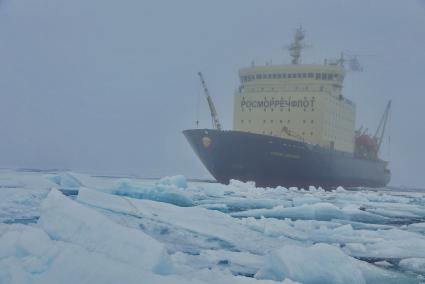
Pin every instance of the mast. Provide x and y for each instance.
(297, 46)
(379, 134)
(214, 116)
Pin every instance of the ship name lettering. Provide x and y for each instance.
(282, 103)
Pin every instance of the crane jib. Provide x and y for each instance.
(213, 112)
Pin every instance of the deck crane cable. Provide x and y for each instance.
(198, 105)
(214, 116)
(389, 135)
(380, 131)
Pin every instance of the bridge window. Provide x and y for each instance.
(317, 76)
(310, 75)
(258, 76)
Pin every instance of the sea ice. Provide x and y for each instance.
(29, 256)
(413, 264)
(65, 181)
(172, 231)
(20, 204)
(416, 227)
(179, 181)
(317, 211)
(388, 244)
(68, 221)
(165, 191)
(212, 226)
(320, 263)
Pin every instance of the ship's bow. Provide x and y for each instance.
(206, 144)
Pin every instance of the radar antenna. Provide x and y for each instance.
(214, 116)
(297, 46)
(352, 60)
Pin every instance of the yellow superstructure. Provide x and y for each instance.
(296, 101)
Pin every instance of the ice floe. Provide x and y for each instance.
(320, 263)
(206, 228)
(318, 211)
(68, 221)
(167, 190)
(413, 264)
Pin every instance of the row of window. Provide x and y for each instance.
(282, 109)
(288, 88)
(280, 121)
(303, 133)
(317, 76)
(271, 110)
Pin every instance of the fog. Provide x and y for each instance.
(107, 86)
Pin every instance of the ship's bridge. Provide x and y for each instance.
(284, 74)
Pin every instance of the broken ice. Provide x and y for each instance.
(128, 230)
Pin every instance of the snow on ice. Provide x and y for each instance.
(130, 230)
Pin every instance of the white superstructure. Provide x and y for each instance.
(296, 101)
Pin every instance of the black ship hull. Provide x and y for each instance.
(272, 161)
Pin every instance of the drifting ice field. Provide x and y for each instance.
(77, 228)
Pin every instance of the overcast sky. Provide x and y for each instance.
(107, 86)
